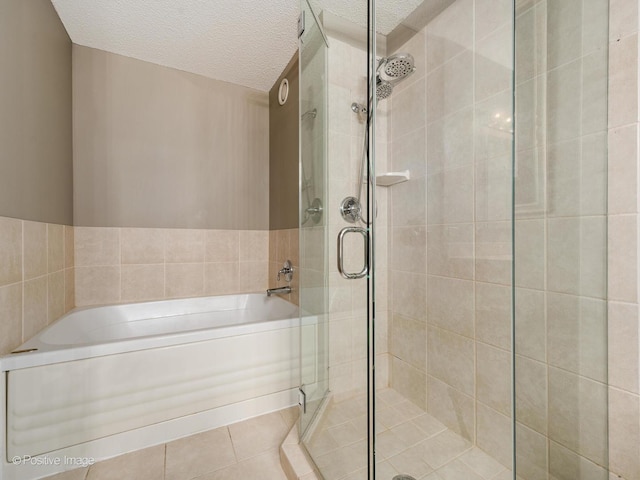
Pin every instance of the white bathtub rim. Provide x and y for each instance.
(47, 353)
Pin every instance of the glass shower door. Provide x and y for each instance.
(314, 335)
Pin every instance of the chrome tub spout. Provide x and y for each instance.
(278, 291)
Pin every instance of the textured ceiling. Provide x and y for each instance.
(246, 42)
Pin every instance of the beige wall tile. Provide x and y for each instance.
(56, 296)
(451, 358)
(623, 18)
(449, 33)
(221, 278)
(408, 341)
(253, 276)
(409, 249)
(340, 339)
(69, 289)
(530, 254)
(184, 246)
(493, 314)
(254, 245)
(491, 139)
(493, 377)
(490, 16)
(563, 112)
(450, 196)
(531, 453)
(11, 324)
(147, 464)
(578, 414)
(449, 251)
(564, 25)
(576, 255)
(97, 285)
(595, 85)
(531, 39)
(223, 246)
(35, 250)
(531, 107)
(142, 245)
(493, 189)
(10, 251)
(576, 335)
(622, 269)
(493, 252)
(55, 242)
(408, 113)
(184, 280)
(531, 324)
(494, 434)
(494, 56)
(623, 170)
(407, 153)
(408, 294)
(450, 304)
(531, 393)
(623, 338)
(623, 81)
(35, 307)
(142, 283)
(449, 143)
(449, 88)
(624, 433)
(69, 250)
(406, 205)
(96, 246)
(409, 381)
(576, 177)
(451, 407)
(565, 465)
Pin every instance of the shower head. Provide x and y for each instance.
(383, 89)
(392, 70)
(399, 66)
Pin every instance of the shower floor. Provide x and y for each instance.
(408, 441)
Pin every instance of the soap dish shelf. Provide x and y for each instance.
(392, 178)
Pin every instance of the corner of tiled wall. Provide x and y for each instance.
(36, 278)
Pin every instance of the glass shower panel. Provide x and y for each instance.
(314, 269)
(561, 239)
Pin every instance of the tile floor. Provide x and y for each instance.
(248, 450)
(408, 441)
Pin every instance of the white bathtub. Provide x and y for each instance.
(108, 380)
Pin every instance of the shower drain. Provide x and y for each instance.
(403, 477)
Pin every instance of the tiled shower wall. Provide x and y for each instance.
(36, 278)
(119, 265)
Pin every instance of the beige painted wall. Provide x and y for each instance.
(157, 147)
(283, 152)
(35, 118)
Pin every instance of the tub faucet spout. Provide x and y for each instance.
(278, 291)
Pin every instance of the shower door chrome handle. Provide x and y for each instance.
(365, 269)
